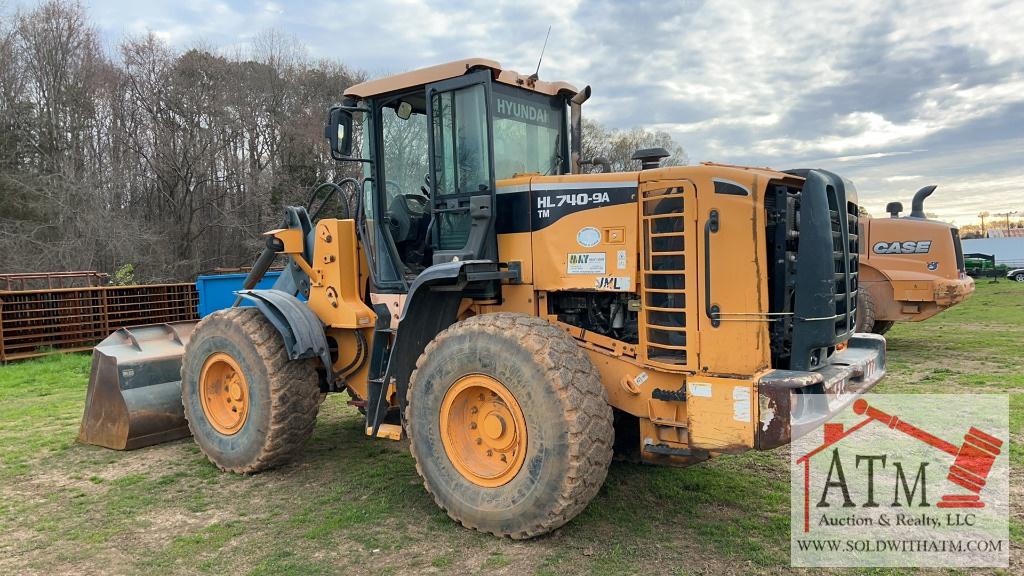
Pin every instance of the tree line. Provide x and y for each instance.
(174, 162)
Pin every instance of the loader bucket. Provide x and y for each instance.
(134, 396)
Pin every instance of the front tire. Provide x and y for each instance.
(248, 406)
(509, 424)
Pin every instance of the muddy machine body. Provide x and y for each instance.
(520, 321)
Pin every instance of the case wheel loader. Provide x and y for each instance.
(912, 267)
(517, 320)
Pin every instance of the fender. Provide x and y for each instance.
(431, 306)
(302, 330)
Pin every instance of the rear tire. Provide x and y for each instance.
(546, 380)
(882, 326)
(865, 311)
(278, 398)
(1019, 277)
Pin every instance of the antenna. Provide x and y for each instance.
(536, 75)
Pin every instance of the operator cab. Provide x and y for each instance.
(435, 142)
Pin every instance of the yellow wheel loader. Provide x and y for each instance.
(911, 267)
(517, 320)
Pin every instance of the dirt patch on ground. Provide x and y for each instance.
(146, 461)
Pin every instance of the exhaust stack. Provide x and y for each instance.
(576, 128)
(917, 205)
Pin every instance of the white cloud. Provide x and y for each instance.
(968, 181)
(871, 89)
(872, 156)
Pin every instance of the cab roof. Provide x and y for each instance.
(455, 69)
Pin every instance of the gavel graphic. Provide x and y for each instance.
(972, 462)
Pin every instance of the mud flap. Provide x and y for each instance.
(134, 396)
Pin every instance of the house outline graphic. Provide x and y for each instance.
(972, 463)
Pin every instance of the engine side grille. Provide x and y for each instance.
(845, 259)
(813, 243)
(782, 206)
(664, 327)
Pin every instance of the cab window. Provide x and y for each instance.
(529, 133)
(405, 152)
(461, 158)
(406, 168)
(460, 130)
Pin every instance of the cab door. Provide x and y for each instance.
(462, 168)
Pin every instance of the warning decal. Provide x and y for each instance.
(585, 263)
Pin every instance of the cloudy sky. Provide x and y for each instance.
(895, 95)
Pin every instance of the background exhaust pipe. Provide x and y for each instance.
(917, 205)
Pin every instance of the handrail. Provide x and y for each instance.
(711, 310)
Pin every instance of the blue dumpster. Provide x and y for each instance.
(217, 291)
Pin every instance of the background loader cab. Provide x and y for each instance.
(912, 267)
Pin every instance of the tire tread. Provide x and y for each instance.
(574, 378)
(294, 397)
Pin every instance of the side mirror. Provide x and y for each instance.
(338, 132)
(404, 110)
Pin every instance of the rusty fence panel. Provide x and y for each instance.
(39, 322)
(50, 280)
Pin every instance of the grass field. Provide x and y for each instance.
(351, 505)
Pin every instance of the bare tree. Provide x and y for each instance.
(176, 162)
(173, 162)
(618, 146)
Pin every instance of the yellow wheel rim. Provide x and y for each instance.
(483, 430)
(224, 393)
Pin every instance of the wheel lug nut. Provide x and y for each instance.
(472, 425)
(479, 441)
(503, 458)
(474, 410)
(490, 453)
